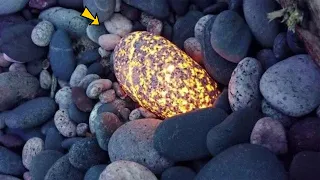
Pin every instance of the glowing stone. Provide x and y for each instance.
(161, 77)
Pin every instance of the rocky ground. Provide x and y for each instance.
(65, 116)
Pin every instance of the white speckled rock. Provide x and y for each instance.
(94, 32)
(118, 24)
(82, 129)
(64, 97)
(93, 116)
(109, 41)
(45, 79)
(271, 134)
(67, 19)
(17, 67)
(96, 87)
(155, 26)
(145, 18)
(243, 90)
(199, 28)
(63, 123)
(126, 170)
(78, 74)
(135, 114)
(32, 147)
(292, 86)
(84, 83)
(42, 33)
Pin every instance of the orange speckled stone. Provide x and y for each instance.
(160, 77)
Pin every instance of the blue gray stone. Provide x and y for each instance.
(9, 7)
(10, 162)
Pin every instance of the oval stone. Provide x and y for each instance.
(10, 162)
(292, 86)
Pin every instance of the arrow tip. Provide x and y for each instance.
(95, 21)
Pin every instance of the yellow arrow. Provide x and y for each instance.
(87, 14)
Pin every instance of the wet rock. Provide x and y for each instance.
(31, 114)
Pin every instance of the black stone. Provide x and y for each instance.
(267, 58)
(222, 102)
(180, 7)
(87, 153)
(235, 129)
(73, 4)
(130, 12)
(183, 137)
(235, 5)
(178, 173)
(203, 3)
(42, 162)
(167, 31)
(17, 44)
(156, 8)
(76, 115)
(34, 67)
(216, 8)
(184, 27)
(244, 161)
(305, 165)
(217, 67)
(96, 68)
(281, 48)
(295, 44)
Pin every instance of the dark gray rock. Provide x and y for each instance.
(305, 166)
(235, 129)
(217, 67)
(31, 114)
(73, 4)
(292, 86)
(180, 7)
(123, 145)
(267, 58)
(203, 3)
(16, 86)
(9, 7)
(94, 172)
(183, 137)
(26, 134)
(216, 8)
(184, 27)
(10, 162)
(295, 44)
(46, 126)
(269, 111)
(281, 48)
(235, 5)
(103, 8)
(106, 124)
(76, 115)
(222, 102)
(61, 49)
(87, 153)
(244, 161)
(96, 68)
(156, 8)
(67, 143)
(62, 169)
(16, 43)
(53, 140)
(230, 36)
(88, 57)
(11, 141)
(42, 162)
(255, 12)
(304, 135)
(9, 20)
(34, 67)
(178, 173)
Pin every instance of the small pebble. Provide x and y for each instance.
(94, 32)
(199, 28)
(53, 140)
(107, 96)
(125, 113)
(135, 114)
(27, 176)
(96, 87)
(63, 123)
(109, 41)
(119, 91)
(63, 83)
(82, 129)
(45, 79)
(64, 97)
(42, 33)
(267, 58)
(119, 25)
(84, 83)
(271, 134)
(32, 147)
(103, 53)
(93, 116)
(155, 26)
(34, 67)
(126, 170)
(78, 74)
(81, 100)
(76, 115)
(193, 48)
(146, 113)
(145, 18)
(17, 67)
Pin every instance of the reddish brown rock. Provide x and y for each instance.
(82, 101)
